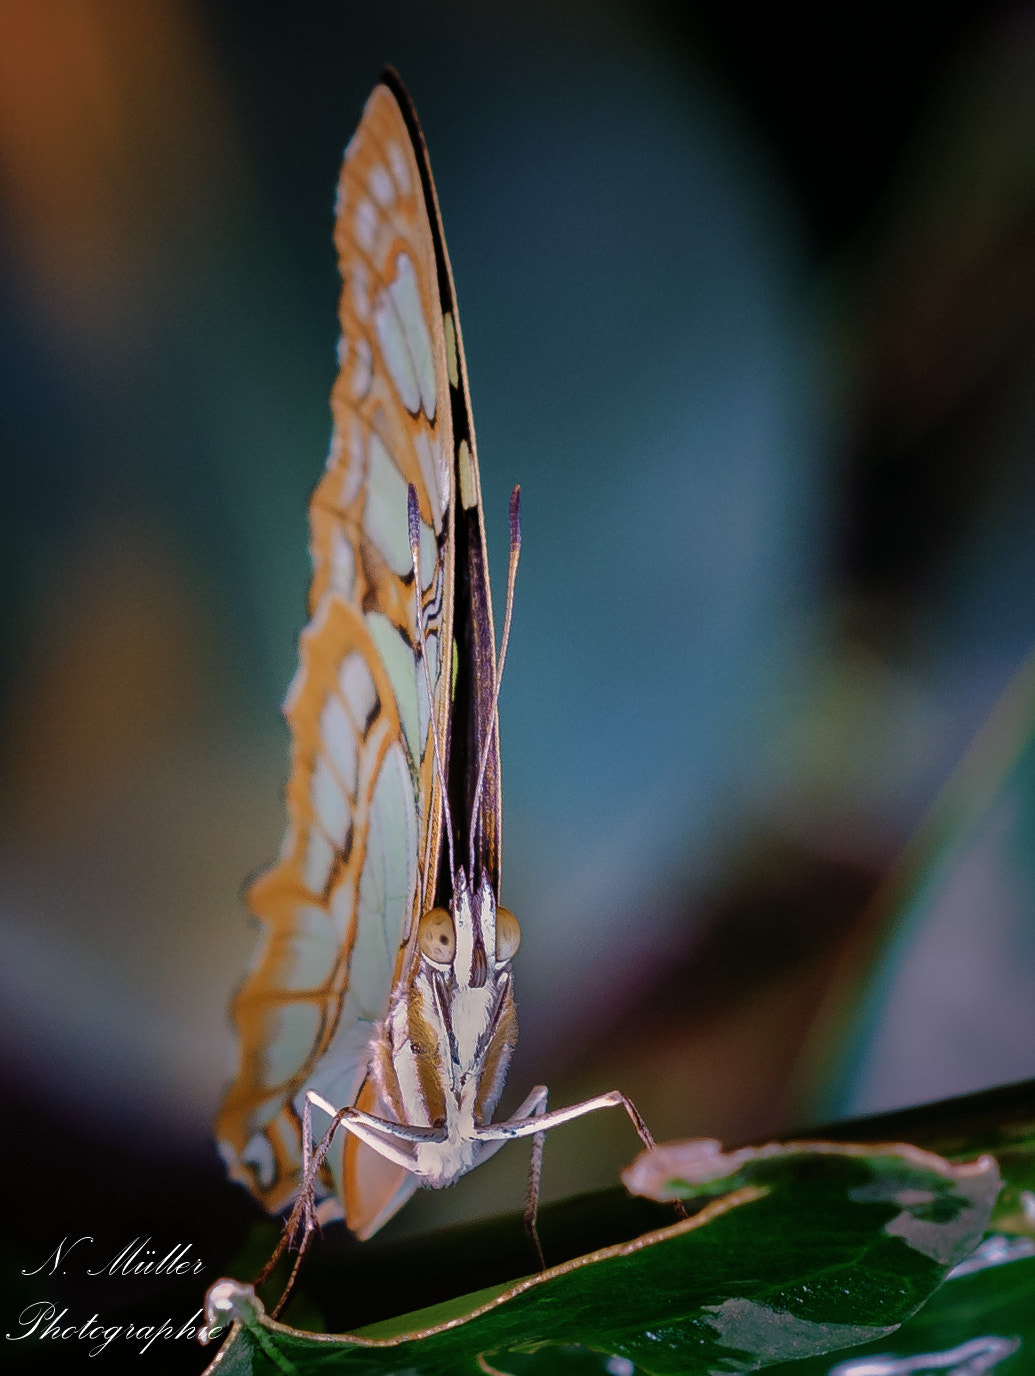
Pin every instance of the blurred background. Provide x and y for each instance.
(749, 312)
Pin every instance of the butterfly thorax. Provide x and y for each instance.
(445, 1046)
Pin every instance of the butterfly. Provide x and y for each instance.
(380, 998)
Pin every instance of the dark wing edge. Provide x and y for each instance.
(474, 640)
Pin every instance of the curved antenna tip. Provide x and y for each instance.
(515, 517)
(413, 515)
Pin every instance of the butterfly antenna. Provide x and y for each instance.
(515, 553)
(413, 520)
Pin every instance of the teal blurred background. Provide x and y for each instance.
(754, 331)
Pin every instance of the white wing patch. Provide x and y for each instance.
(319, 857)
(404, 341)
(400, 168)
(428, 560)
(435, 470)
(355, 470)
(384, 513)
(357, 688)
(382, 186)
(293, 1029)
(363, 370)
(339, 738)
(258, 1154)
(397, 657)
(366, 225)
(313, 950)
(329, 803)
(359, 285)
(343, 565)
(387, 883)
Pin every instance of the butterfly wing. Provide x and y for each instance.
(361, 858)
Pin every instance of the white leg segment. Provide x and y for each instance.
(528, 1126)
(381, 1134)
(532, 1105)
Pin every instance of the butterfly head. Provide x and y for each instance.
(474, 940)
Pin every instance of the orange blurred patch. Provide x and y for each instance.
(111, 128)
(112, 678)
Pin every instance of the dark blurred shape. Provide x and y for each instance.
(832, 91)
(940, 286)
(710, 1048)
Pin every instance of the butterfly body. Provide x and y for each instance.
(448, 1039)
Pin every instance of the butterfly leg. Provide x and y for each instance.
(535, 1172)
(535, 1124)
(394, 1141)
(532, 1107)
(302, 1221)
(532, 1120)
(524, 1125)
(380, 1134)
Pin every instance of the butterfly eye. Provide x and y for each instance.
(436, 937)
(508, 934)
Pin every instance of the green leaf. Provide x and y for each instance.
(998, 1121)
(808, 1249)
(990, 1312)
